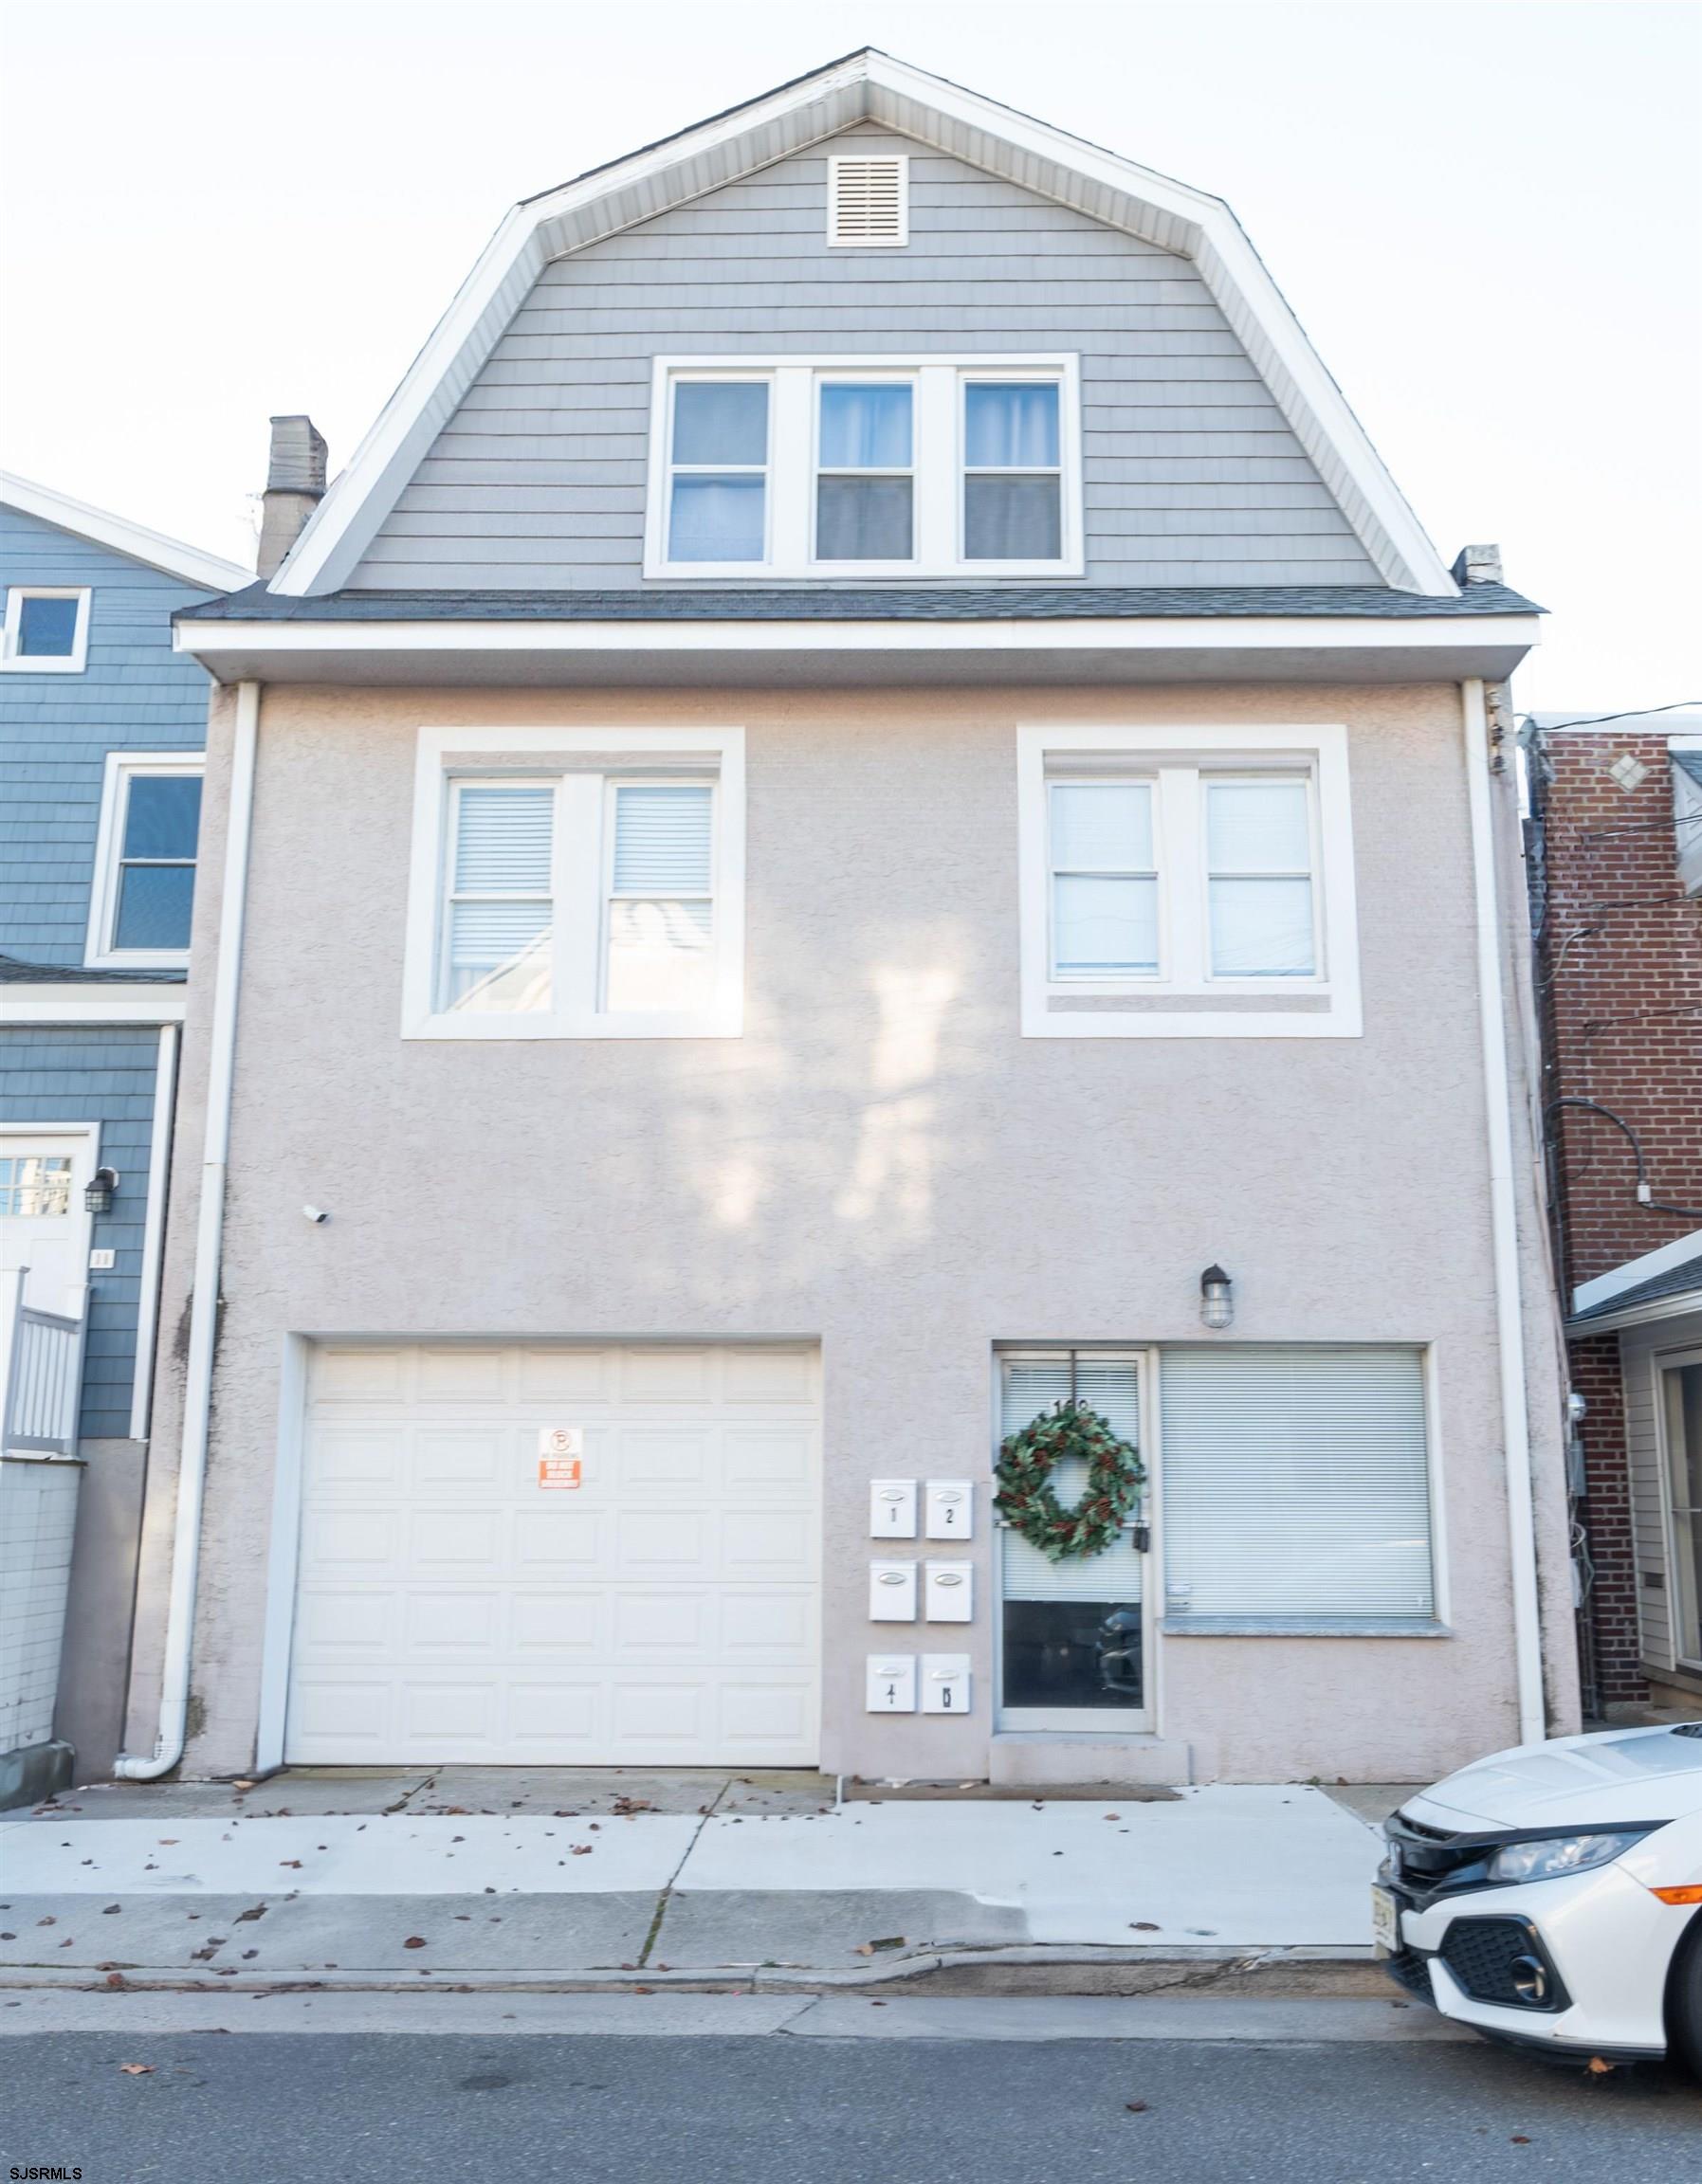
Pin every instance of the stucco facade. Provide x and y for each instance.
(880, 1164)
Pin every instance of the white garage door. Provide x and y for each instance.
(451, 1607)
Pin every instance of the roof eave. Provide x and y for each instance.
(818, 654)
(170, 557)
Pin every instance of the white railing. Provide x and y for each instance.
(41, 1374)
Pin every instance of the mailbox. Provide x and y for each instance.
(892, 1592)
(950, 1592)
(946, 1684)
(951, 1508)
(892, 1684)
(892, 1509)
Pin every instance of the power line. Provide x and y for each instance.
(1634, 713)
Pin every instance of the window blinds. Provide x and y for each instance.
(1111, 1387)
(1296, 1483)
(661, 916)
(499, 903)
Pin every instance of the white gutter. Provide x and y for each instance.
(1510, 1316)
(209, 1237)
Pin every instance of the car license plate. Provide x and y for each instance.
(1385, 1922)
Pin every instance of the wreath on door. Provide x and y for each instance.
(1025, 1498)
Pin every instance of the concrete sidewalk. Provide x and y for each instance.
(763, 1878)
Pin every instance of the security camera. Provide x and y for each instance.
(315, 1216)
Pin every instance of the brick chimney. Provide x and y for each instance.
(1478, 565)
(295, 486)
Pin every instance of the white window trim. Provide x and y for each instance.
(1320, 748)
(896, 242)
(122, 767)
(75, 661)
(937, 453)
(655, 747)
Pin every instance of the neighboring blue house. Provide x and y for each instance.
(102, 730)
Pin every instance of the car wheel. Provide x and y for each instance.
(1684, 2000)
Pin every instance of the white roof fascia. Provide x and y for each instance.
(209, 641)
(866, 86)
(170, 556)
(1636, 1270)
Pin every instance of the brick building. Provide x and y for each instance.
(1615, 870)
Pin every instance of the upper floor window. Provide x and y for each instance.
(864, 467)
(1187, 883)
(46, 629)
(596, 893)
(144, 883)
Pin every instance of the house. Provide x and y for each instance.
(102, 729)
(1617, 824)
(864, 812)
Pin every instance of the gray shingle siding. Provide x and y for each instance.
(1192, 475)
(56, 730)
(97, 1073)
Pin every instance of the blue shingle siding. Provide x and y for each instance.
(56, 729)
(101, 1073)
(1192, 473)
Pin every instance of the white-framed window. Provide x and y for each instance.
(869, 201)
(720, 432)
(577, 883)
(864, 466)
(46, 629)
(1186, 883)
(143, 895)
(1299, 1488)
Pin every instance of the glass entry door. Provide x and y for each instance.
(1072, 1635)
(1682, 1430)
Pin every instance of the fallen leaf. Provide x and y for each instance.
(1598, 2067)
(239, 1787)
(137, 2069)
(414, 1941)
(580, 1850)
(247, 1952)
(1143, 1926)
(169, 1842)
(644, 1989)
(115, 1979)
(295, 1862)
(254, 1911)
(1136, 2108)
(1113, 1816)
(50, 1920)
(1518, 2139)
(110, 1909)
(887, 1941)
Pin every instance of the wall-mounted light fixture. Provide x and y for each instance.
(96, 1194)
(1217, 1297)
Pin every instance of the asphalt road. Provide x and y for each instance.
(239, 2108)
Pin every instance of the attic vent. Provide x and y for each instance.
(869, 201)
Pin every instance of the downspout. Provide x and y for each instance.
(210, 1235)
(1504, 1232)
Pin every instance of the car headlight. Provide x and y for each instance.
(1555, 1855)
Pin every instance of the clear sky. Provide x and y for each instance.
(1487, 214)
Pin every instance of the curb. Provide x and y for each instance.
(1008, 1970)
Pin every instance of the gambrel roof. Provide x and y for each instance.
(152, 548)
(868, 85)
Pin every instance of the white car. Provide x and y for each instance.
(1549, 1895)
